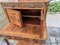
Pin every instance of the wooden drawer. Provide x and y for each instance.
(12, 5)
(32, 5)
(14, 17)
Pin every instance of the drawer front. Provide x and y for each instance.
(14, 17)
(12, 5)
(24, 5)
(32, 5)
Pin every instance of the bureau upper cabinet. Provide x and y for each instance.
(14, 17)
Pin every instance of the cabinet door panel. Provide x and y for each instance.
(14, 17)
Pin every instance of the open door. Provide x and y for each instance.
(14, 17)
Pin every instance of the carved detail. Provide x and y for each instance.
(12, 5)
(32, 5)
(24, 5)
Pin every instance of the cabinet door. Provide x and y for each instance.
(14, 17)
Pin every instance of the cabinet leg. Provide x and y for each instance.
(6, 40)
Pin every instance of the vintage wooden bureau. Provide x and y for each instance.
(27, 22)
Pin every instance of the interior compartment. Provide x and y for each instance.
(31, 12)
(29, 20)
(30, 16)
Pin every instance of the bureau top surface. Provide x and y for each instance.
(34, 0)
(27, 1)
